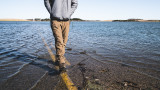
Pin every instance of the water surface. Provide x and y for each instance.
(132, 44)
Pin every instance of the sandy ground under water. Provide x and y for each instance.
(85, 72)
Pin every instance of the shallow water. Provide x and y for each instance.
(132, 44)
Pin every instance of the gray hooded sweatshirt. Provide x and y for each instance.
(61, 9)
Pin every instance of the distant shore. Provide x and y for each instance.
(13, 20)
(135, 20)
(78, 19)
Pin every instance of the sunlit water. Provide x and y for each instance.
(132, 44)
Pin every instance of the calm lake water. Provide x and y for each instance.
(132, 44)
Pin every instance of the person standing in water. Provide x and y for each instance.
(60, 13)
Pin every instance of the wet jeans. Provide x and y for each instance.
(60, 32)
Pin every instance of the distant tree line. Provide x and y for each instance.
(46, 19)
(136, 20)
(129, 20)
(76, 19)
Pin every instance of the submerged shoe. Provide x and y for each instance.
(56, 63)
(62, 68)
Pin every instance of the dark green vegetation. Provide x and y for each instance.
(136, 20)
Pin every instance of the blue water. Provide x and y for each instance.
(134, 44)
